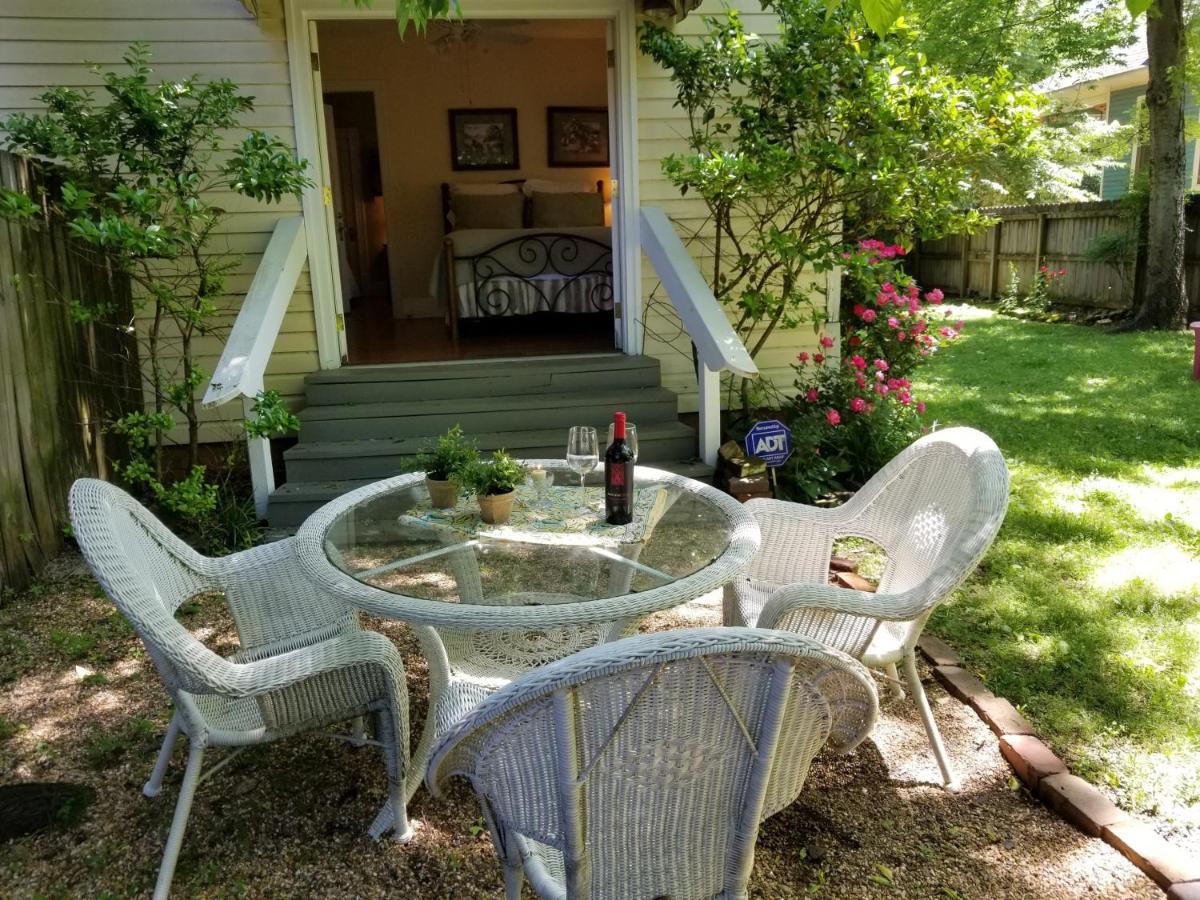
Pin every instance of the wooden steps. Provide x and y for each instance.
(363, 423)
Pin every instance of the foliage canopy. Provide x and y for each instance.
(788, 137)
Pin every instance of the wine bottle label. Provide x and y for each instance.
(618, 492)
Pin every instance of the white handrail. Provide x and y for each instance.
(717, 344)
(243, 363)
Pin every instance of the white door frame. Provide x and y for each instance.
(309, 136)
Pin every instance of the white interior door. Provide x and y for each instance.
(325, 135)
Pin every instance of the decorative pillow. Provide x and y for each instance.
(544, 186)
(567, 210)
(483, 188)
(489, 210)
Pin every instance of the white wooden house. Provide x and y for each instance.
(345, 303)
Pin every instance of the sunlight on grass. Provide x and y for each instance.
(1086, 612)
(1164, 567)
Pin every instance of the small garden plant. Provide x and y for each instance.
(449, 457)
(849, 418)
(499, 475)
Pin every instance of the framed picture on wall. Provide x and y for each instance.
(577, 136)
(483, 139)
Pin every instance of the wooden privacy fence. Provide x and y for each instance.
(59, 380)
(1026, 237)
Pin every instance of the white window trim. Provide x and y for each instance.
(309, 130)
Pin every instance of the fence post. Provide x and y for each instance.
(1041, 243)
(994, 262)
(965, 275)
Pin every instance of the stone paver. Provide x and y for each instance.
(1080, 803)
(1151, 853)
(1031, 759)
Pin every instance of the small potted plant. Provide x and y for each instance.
(444, 464)
(494, 482)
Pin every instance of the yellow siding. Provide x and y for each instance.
(662, 130)
(44, 42)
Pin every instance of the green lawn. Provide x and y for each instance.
(1086, 612)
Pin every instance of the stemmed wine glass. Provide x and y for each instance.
(583, 453)
(630, 437)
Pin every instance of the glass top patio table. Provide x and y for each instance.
(388, 551)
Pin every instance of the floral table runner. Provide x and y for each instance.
(565, 516)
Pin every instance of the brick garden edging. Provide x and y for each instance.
(1048, 778)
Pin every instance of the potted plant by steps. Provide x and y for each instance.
(444, 464)
(494, 482)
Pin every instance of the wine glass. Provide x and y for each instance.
(583, 453)
(630, 437)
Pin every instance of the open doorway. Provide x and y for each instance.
(470, 177)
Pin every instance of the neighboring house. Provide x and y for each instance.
(362, 281)
(1114, 92)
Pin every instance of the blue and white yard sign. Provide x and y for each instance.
(770, 441)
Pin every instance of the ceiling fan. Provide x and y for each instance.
(447, 35)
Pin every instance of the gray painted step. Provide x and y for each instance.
(657, 442)
(477, 415)
(466, 368)
(501, 382)
(294, 502)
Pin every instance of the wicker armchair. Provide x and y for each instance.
(934, 510)
(643, 767)
(303, 663)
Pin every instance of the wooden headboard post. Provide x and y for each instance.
(451, 289)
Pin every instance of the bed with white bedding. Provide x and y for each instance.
(494, 272)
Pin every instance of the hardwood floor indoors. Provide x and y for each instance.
(373, 336)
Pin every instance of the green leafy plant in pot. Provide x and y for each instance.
(494, 482)
(445, 463)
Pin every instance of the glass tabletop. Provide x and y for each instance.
(555, 547)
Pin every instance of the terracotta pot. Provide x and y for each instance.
(442, 494)
(496, 508)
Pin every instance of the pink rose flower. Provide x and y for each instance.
(802, 356)
(868, 316)
(935, 296)
(858, 309)
(901, 336)
(882, 365)
(811, 395)
(921, 407)
(826, 341)
(893, 322)
(833, 417)
(858, 404)
(818, 358)
(858, 362)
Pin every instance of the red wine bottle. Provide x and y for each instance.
(618, 476)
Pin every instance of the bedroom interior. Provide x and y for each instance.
(471, 188)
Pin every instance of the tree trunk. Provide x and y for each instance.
(1164, 293)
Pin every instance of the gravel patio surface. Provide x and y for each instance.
(80, 702)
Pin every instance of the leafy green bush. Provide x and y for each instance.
(138, 167)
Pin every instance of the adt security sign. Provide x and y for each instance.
(770, 441)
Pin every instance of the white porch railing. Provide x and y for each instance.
(240, 370)
(717, 344)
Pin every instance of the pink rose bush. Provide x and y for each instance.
(853, 416)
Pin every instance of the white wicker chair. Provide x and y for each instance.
(303, 663)
(934, 510)
(642, 768)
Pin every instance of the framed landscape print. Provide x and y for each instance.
(483, 139)
(577, 136)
